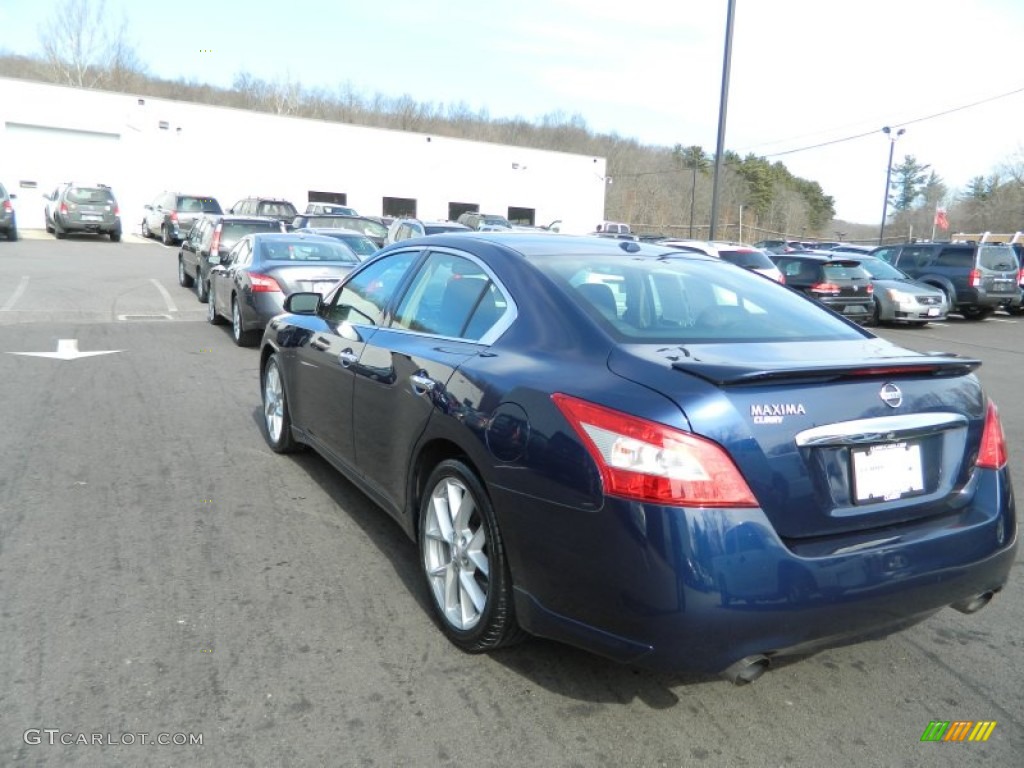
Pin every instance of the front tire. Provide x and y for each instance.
(277, 420)
(145, 229)
(464, 563)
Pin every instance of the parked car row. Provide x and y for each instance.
(498, 394)
(243, 266)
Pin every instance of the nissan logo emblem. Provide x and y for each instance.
(891, 395)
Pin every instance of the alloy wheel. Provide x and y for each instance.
(455, 554)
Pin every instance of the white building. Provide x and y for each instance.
(141, 146)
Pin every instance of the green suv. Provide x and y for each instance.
(977, 278)
(78, 208)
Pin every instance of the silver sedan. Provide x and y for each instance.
(898, 297)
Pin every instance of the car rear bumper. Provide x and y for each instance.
(654, 586)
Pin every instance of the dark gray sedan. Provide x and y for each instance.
(250, 284)
(898, 297)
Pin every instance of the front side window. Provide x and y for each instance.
(365, 296)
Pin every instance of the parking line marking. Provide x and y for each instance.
(22, 285)
(171, 306)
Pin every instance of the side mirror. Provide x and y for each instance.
(13, 196)
(303, 303)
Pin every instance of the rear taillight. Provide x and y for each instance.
(647, 461)
(64, 208)
(974, 279)
(263, 283)
(215, 243)
(7, 206)
(993, 453)
(781, 278)
(117, 210)
(870, 288)
(1020, 277)
(174, 216)
(825, 288)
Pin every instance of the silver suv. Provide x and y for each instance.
(79, 208)
(403, 229)
(475, 220)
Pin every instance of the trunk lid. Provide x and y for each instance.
(832, 437)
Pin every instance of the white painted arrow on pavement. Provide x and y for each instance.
(67, 349)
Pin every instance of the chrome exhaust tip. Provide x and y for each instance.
(974, 604)
(746, 670)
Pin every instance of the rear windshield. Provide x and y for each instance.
(198, 204)
(748, 258)
(306, 251)
(361, 245)
(882, 270)
(845, 271)
(89, 195)
(277, 209)
(362, 226)
(233, 231)
(678, 300)
(434, 229)
(997, 257)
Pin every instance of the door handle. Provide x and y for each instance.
(421, 384)
(347, 357)
(319, 343)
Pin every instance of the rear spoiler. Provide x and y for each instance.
(934, 366)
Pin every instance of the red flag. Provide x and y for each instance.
(940, 218)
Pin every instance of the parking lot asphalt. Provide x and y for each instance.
(163, 572)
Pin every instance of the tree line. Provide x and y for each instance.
(657, 189)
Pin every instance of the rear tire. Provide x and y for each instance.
(115, 236)
(12, 234)
(165, 236)
(184, 278)
(211, 310)
(145, 229)
(202, 289)
(464, 564)
(242, 337)
(59, 233)
(977, 314)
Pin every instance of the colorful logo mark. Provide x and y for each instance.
(958, 730)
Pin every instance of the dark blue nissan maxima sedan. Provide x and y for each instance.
(662, 458)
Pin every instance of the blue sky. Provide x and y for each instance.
(804, 72)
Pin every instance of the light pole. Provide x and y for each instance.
(888, 175)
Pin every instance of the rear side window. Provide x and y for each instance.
(958, 258)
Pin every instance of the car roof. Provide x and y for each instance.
(529, 244)
(334, 232)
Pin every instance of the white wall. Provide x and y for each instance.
(50, 134)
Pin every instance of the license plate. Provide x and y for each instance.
(887, 472)
(933, 311)
(853, 309)
(91, 217)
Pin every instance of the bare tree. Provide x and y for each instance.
(81, 50)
